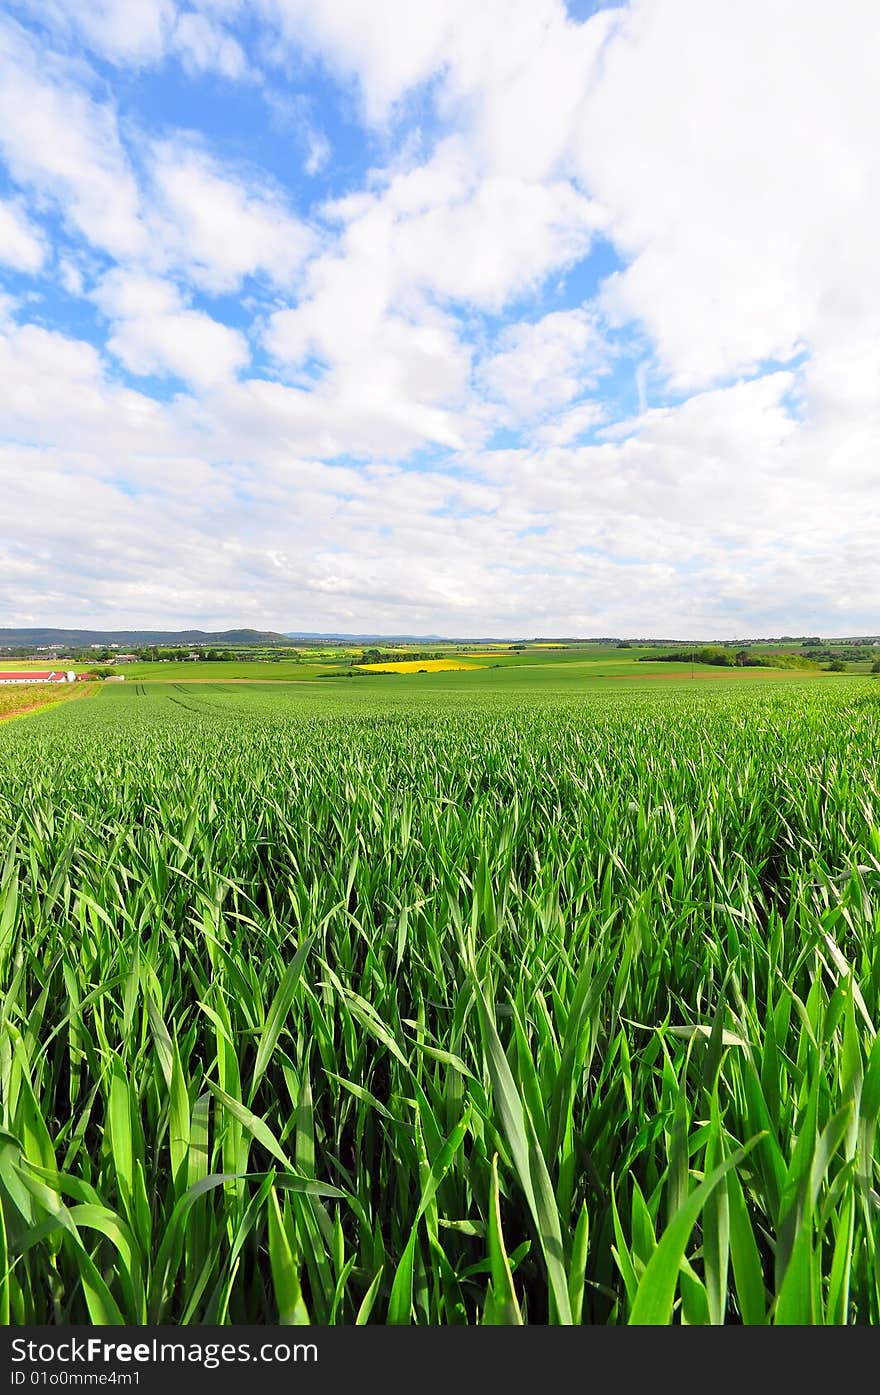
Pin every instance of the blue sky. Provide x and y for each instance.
(478, 316)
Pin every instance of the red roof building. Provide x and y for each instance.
(36, 675)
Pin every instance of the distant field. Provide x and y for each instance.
(176, 672)
(595, 661)
(400, 666)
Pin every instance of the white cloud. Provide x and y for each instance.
(390, 48)
(143, 33)
(71, 277)
(125, 31)
(501, 236)
(717, 516)
(154, 332)
(735, 151)
(294, 114)
(514, 70)
(729, 154)
(61, 143)
(390, 384)
(567, 426)
(379, 309)
(22, 246)
(53, 392)
(220, 225)
(540, 367)
(189, 211)
(382, 406)
(204, 46)
(319, 152)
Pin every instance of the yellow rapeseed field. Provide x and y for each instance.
(415, 665)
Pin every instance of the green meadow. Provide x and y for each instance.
(541, 993)
(334, 661)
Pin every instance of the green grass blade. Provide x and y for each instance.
(656, 1292)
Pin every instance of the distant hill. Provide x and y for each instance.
(372, 635)
(76, 639)
(380, 637)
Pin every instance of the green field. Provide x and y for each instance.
(544, 993)
(595, 659)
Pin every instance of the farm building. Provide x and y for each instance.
(36, 675)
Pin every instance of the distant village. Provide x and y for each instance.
(112, 654)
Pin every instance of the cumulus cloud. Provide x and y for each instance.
(155, 333)
(125, 31)
(54, 392)
(22, 246)
(565, 427)
(179, 208)
(515, 70)
(379, 310)
(721, 164)
(141, 33)
(745, 197)
(701, 517)
(206, 47)
(63, 144)
(222, 225)
(541, 366)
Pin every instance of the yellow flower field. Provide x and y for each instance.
(417, 665)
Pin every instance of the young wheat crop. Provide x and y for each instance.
(365, 1011)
